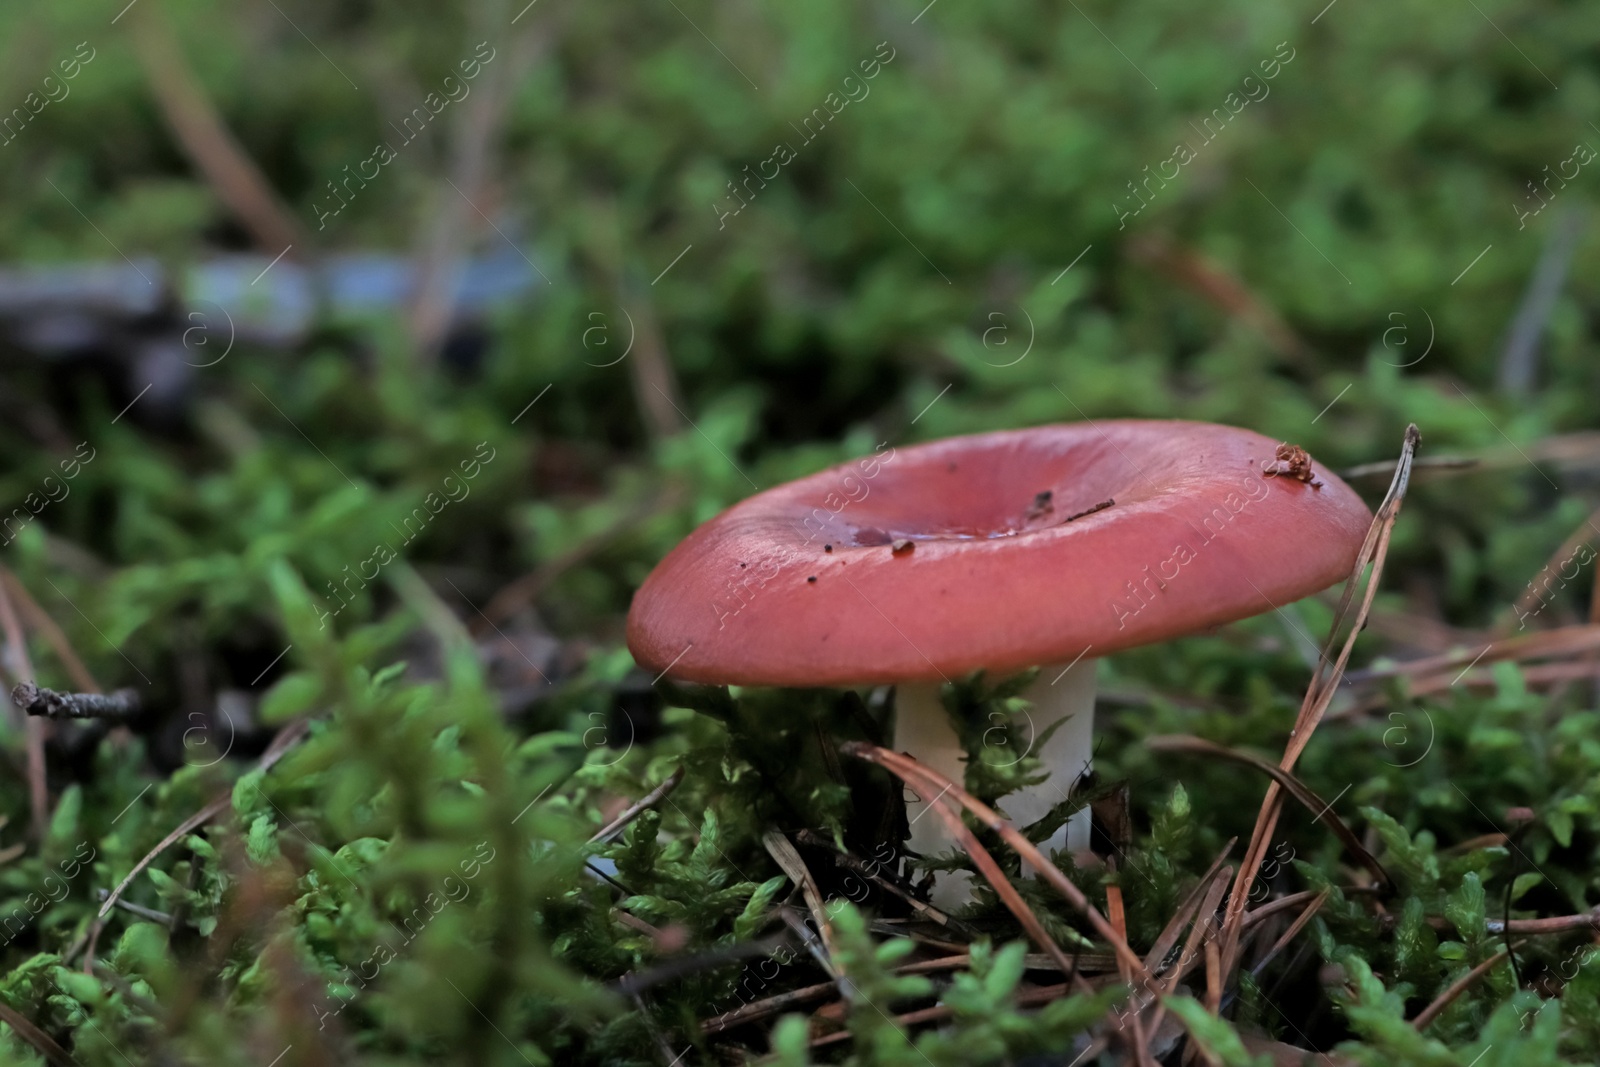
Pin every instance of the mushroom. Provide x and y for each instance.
(1050, 546)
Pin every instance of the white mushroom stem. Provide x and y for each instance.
(922, 728)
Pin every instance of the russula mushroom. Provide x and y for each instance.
(1049, 546)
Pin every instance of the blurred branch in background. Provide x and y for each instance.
(205, 138)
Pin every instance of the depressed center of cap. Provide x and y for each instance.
(995, 551)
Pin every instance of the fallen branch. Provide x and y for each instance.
(121, 706)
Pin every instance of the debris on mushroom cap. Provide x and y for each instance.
(1291, 460)
(1195, 540)
(1042, 505)
(1090, 511)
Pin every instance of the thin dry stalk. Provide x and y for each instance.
(36, 730)
(968, 841)
(1186, 911)
(1321, 812)
(286, 739)
(1590, 527)
(1455, 989)
(1204, 926)
(1294, 929)
(1223, 289)
(921, 778)
(1324, 684)
(1025, 998)
(931, 783)
(205, 139)
(1567, 641)
(922, 908)
(788, 858)
(638, 808)
(1535, 676)
(40, 621)
(36, 1037)
(760, 1009)
(523, 591)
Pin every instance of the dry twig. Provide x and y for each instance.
(1455, 989)
(36, 731)
(121, 706)
(920, 778)
(1321, 811)
(206, 139)
(287, 738)
(1324, 683)
(642, 805)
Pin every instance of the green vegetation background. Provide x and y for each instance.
(994, 149)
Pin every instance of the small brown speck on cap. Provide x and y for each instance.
(813, 578)
(827, 548)
(903, 546)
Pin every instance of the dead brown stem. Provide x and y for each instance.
(1324, 683)
(36, 730)
(1455, 989)
(286, 739)
(205, 138)
(1321, 812)
(639, 807)
(921, 778)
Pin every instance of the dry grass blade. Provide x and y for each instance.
(204, 137)
(1324, 683)
(785, 855)
(1025, 998)
(35, 730)
(1294, 929)
(1186, 911)
(761, 1009)
(1321, 812)
(1535, 676)
(639, 807)
(1547, 644)
(1223, 289)
(1455, 989)
(920, 777)
(778, 1002)
(36, 1037)
(930, 783)
(849, 862)
(1590, 527)
(287, 738)
(997, 879)
(1204, 929)
(41, 622)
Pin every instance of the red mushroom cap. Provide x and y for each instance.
(988, 551)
